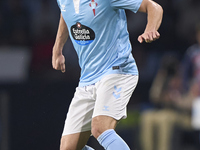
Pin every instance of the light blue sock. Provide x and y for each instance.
(87, 148)
(110, 140)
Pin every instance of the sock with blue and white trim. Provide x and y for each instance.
(110, 140)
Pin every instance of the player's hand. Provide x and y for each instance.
(58, 62)
(149, 37)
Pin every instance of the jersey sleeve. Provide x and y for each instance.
(132, 5)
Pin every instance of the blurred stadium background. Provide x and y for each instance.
(34, 98)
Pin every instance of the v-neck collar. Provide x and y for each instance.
(76, 6)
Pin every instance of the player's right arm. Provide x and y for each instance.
(58, 60)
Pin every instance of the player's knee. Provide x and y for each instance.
(101, 124)
(97, 127)
(64, 145)
(96, 131)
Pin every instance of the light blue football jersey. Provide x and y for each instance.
(98, 31)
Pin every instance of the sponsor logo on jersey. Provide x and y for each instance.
(93, 5)
(82, 35)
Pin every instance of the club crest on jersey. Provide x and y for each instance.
(82, 34)
(93, 5)
(78, 25)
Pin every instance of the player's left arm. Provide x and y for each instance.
(154, 18)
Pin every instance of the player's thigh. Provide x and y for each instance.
(74, 141)
(113, 93)
(80, 112)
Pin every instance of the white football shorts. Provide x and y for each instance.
(108, 97)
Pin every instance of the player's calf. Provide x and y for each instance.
(74, 141)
